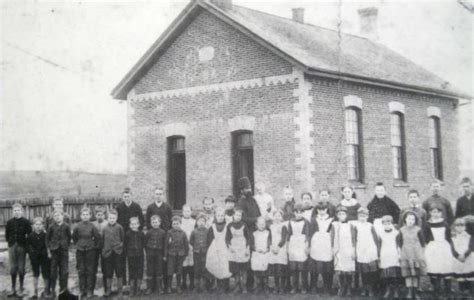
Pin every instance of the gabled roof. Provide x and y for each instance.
(316, 50)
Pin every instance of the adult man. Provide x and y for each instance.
(465, 205)
(250, 214)
(436, 199)
(161, 208)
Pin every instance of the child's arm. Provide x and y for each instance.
(141, 218)
(228, 236)
(252, 243)
(470, 249)
(7, 231)
(284, 236)
(306, 231)
(421, 238)
(399, 240)
(210, 236)
(247, 235)
(191, 239)
(96, 235)
(186, 243)
(269, 240)
(75, 235)
(165, 251)
(68, 234)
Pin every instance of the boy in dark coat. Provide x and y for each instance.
(112, 253)
(134, 246)
(16, 233)
(154, 246)
(198, 241)
(176, 249)
(58, 239)
(39, 256)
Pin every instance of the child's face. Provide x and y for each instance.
(341, 216)
(38, 226)
(187, 212)
(237, 216)
(379, 191)
(387, 225)
(362, 218)
(58, 205)
(207, 205)
(413, 199)
(100, 216)
(112, 219)
(322, 211)
(229, 205)
(410, 220)
(460, 227)
(436, 213)
(134, 225)
(85, 216)
(220, 217)
(307, 201)
(467, 188)
(435, 188)
(277, 218)
(298, 214)
(347, 193)
(155, 223)
(201, 222)
(287, 194)
(176, 224)
(158, 196)
(259, 189)
(261, 224)
(58, 218)
(324, 195)
(126, 197)
(17, 212)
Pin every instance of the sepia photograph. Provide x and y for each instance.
(236, 149)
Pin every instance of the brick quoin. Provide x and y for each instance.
(298, 130)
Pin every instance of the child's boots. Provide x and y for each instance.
(138, 291)
(159, 285)
(149, 286)
(119, 286)
(46, 292)
(178, 284)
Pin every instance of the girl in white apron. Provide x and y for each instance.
(343, 241)
(438, 252)
(321, 256)
(298, 232)
(217, 262)
(366, 252)
(237, 240)
(278, 257)
(261, 242)
(187, 225)
(390, 257)
(463, 265)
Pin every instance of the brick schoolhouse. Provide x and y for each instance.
(227, 91)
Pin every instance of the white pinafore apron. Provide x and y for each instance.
(366, 249)
(344, 258)
(259, 261)
(321, 249)
(297, 243)
(281, 257)
(238, 246)
(187, 225)
(389, 252)
(438, 255)
(217, 262)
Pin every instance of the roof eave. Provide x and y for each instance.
(121, 90)
(386, 83)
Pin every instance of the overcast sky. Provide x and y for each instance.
(59, 60)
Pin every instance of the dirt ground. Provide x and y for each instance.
(73, 287)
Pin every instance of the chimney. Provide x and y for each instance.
(298, 14)
(223, 4)
(368, 22)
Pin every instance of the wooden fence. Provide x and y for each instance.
(41, 207)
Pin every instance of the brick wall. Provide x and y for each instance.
(292, 121)
(236, 57)
(329, 136)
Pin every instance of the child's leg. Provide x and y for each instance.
(13, 261)
(90, 271)
(179, 271)
(447, 286)
(21, 267)
(327, 281)
(349, 277)
(304, 277)
(64, 269)
(54, 270)
(80, 267)
(296, 277)
(342, 285)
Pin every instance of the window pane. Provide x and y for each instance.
(352, 127)
(396, 130)
(433, 133)
(352, 155)
(397, 162)
(178, 145)
(245, 140)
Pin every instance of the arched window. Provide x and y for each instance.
(397, 125)
(435, 147)
(354, 151)
(242, 158)
(176, 171)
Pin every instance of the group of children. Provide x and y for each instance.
(294, 245)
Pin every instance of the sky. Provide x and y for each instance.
(59, 60)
